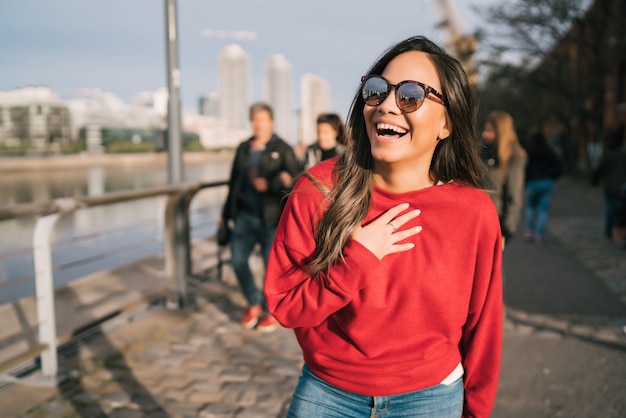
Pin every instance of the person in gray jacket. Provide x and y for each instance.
(506, 163)
(262, 175)
(506, 160)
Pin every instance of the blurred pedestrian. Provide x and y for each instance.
(330, 140)
(594, 146)
(262, 174)
(506, 161)
(542, 169)
(611, 172)
(619, 218)
(394, 320)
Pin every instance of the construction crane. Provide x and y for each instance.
(228, 34)
(458, 43)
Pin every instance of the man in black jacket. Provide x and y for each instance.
(262, 174)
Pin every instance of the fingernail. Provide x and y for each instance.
(417, 212)
(418, 228)
(404, 205)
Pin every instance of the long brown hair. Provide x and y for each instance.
(455, 158)
(506, 139)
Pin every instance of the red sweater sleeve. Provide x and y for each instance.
(481, 344)
(294, 297)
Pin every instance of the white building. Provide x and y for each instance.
(213, 132)
(277, 91)
(35, 116)
(156, 100)
(234, 86)
(209, 105)
(96, 110)
(314, 99)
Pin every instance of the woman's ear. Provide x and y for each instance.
(445, 130)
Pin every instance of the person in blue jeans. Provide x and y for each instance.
(611, 172)
(542, 169)
(261, 177)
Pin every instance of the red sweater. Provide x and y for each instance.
(403, 323)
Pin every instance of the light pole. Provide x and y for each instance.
(174, 142)
(178, 264)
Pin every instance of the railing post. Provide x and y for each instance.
(177, 250)
(46, 317)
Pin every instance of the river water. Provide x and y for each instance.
(101, 237)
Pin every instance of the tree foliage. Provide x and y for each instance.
(531, 27)
(522, 36)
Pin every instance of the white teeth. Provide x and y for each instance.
(386, 126)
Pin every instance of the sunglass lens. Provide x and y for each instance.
(410, 97)
(374, 91)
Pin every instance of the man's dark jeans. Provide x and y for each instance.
(248, 231)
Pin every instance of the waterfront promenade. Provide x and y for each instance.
(564, 343)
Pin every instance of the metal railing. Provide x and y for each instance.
(176, 252)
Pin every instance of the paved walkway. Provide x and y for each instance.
(564, 343)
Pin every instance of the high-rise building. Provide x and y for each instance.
(277, 91)
(209, 105)
(234, 86)
(314, 99)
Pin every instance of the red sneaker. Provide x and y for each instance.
(267, 324)
(251, 316)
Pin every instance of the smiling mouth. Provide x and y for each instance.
(385, 130)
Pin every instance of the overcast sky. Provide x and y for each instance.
(119, 45)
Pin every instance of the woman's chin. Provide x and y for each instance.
(386, 156)
(387, 149)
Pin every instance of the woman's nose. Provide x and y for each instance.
(389, 104)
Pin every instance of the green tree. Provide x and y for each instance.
(523, 33)
(553, 57)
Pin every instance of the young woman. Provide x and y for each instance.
(506, 161)
(386, 261)
(330, 140)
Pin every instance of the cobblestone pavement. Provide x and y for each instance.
(564, 351)
(582, 237)
(564, 344)
(606, 259)
(576, 224)
(172, 364)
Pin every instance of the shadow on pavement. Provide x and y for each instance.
(107, 387)
(550, 280)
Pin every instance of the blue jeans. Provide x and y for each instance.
(610, 202)
(316, 398)
(538, 197)
(248, 231)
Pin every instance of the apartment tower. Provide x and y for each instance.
(234, 86)
(314, 99)
(277, 91)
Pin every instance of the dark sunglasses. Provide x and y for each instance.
(409, 94)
